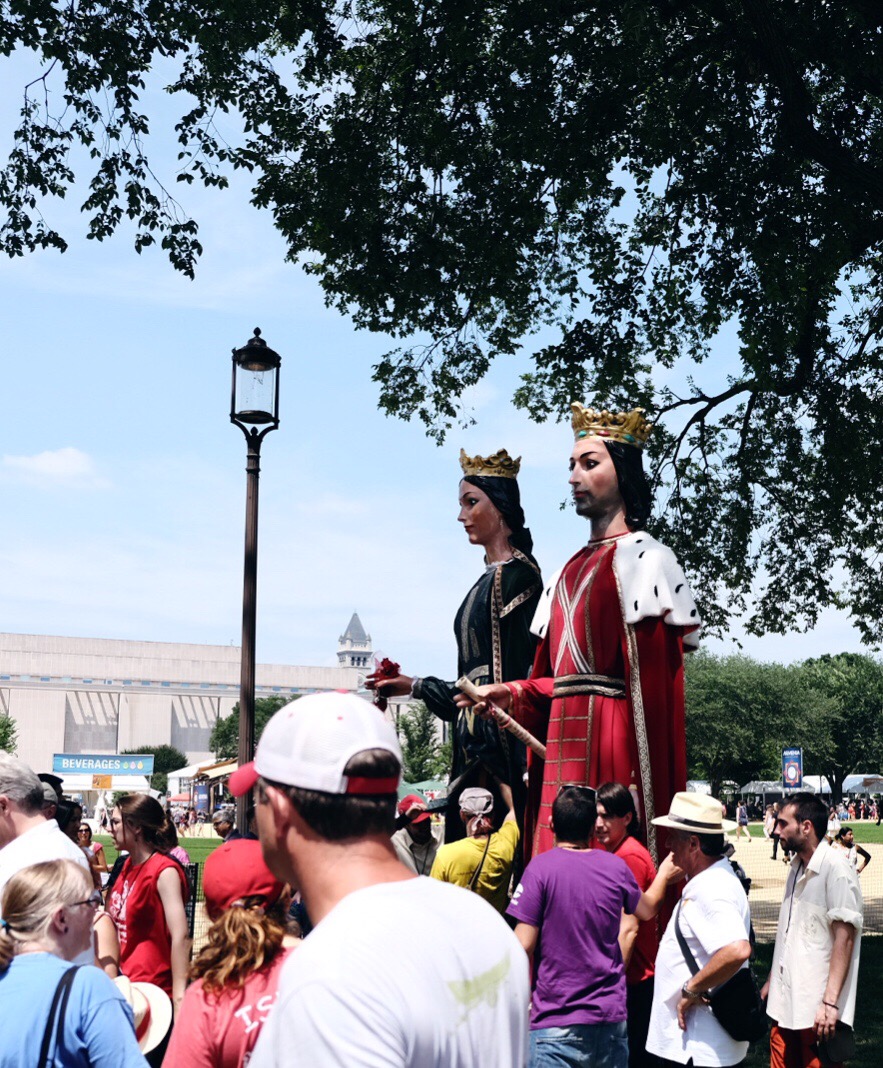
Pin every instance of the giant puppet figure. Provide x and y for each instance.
(606, 692)
(492, 630)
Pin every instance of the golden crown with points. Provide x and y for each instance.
(500, 465)
(631, 428)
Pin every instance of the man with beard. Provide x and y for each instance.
(812, 983)
(606, 692)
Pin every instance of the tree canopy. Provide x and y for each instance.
(631, 177)
(742, 713)
(8, 734)
(166, 758)
(224, 739)
(424, 755)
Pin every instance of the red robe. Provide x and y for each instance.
(638, 740)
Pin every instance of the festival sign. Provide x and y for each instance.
(102, 764)
(792, 769)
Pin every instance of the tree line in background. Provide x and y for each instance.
(741, 713)
(8, 734)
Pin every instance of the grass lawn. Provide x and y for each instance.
(868, 1019)
(865, 831)
(197, 848)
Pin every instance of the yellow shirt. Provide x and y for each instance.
(456, 863)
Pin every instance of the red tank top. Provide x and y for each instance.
(136, 909)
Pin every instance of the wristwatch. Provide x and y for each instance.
(694, 995)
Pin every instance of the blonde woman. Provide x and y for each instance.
(48, 911)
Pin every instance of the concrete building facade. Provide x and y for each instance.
(101, 695)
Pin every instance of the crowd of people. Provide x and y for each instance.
(566, 966)
(573, 905)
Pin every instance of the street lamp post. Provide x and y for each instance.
(254, 408)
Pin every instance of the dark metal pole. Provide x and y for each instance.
(249, 615)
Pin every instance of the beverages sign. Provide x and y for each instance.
(102, 764)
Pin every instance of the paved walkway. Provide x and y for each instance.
(768, 886)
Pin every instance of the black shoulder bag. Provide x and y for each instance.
(736, 1004)
(53, 1025)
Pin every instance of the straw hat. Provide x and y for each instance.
(696, 813)
(152, 1008)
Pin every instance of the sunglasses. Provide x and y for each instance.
(589, 791)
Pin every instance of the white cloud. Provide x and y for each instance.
(66, 467)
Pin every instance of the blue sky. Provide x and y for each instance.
(124, 480)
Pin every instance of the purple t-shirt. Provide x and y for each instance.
(576, 899)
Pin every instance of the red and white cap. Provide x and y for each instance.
(310, 741)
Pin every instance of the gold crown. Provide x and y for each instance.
(500, 465)
(631, 428)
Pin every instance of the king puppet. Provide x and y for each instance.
(606, 693)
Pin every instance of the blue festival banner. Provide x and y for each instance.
(102, 764)
(792, 769)
(200, 797)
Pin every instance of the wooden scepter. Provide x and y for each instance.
(502, 718)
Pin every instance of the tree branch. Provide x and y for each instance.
(798, 109)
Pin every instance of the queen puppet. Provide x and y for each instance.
(492, 631)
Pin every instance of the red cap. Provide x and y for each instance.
(236, 870)
(409, 803)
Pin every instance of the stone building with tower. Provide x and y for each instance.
(102, 695)
(354, 646)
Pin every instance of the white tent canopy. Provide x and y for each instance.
(182, 775)
(863, 783)
(816, 784)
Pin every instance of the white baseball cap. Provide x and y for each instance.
(311, 740)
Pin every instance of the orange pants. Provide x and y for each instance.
(794, 1049)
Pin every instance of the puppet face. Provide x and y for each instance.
(593, 480)
(479, 516)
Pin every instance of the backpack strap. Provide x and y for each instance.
(477, 871)
(59, 1002)
(685, 949)
(682, 942)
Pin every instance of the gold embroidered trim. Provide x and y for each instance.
(596, 685)
(520, 599)
(640, 728)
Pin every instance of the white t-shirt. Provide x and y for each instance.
(417, 973)
(42, 842)
(714, 913)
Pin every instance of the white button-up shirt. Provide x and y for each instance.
(817, 894)
(713, 914)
